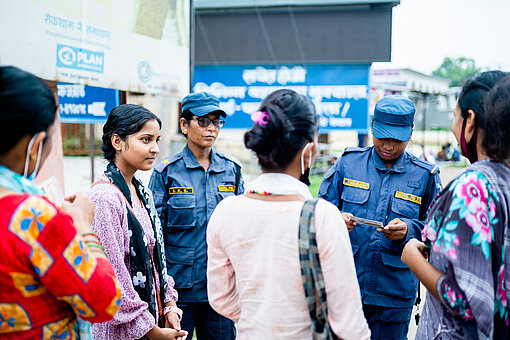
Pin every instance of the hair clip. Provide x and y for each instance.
(260, 117)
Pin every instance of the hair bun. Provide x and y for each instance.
(291, 122)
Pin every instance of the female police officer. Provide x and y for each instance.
(386, 184)
(187, 187)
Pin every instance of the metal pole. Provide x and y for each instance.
(92, 152)
(191, 44)
(424, 123)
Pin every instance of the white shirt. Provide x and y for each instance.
(254, 275)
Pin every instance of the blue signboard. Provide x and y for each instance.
(85, 104)
(339, 92)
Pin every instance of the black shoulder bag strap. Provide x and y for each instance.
(311, 273)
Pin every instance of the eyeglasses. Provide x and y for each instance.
(204, 122)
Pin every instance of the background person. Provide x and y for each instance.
(386, 184)
(128, 226)
(467, 230)
(50, 267)
(187, 187)
(254, 273)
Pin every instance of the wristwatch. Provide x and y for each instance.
(174, 309)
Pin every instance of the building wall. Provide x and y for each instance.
(293, 34)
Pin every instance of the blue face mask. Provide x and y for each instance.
(27, 159)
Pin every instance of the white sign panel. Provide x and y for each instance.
(140, 46)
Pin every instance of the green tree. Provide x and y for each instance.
(457, 70)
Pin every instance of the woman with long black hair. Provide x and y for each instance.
(130, 231)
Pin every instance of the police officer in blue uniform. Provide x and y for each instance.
(186, 188)
(387, 184)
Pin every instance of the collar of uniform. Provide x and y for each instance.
(217, 164)
(191, 162)
(398, 166)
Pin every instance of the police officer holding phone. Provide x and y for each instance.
(384, 183)
(186, 188)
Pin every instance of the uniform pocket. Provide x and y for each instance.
(180, 265)
(222, 195)
(181, 211)
(353, 201)
(355, 195)
(395, 278)
(405, 208)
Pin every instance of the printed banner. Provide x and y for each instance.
(140, 46)
(339, 92)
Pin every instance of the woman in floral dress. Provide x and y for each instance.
(467, 228)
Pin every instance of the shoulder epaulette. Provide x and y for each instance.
(432, 168)
(169, 160)
(230, 158)
(350, 149)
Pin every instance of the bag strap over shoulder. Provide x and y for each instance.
(311, 273)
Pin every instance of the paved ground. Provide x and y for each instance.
(77, 177)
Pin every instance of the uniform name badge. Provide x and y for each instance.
(408, 197)
(356, 184)
(180, 191)
(226, 188)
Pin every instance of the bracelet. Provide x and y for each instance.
(98, 251)
(89, 234)
(91, 241)
(94, 235)
(95, 245)
(174, 309)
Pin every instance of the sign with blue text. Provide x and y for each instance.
(85, 104)
(339, 92)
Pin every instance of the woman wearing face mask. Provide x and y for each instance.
(467, 229)
(128, 226)
(254, 275)
(52, 268)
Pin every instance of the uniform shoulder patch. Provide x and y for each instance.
(231, 158)
(169, 160)
(432, 168)
(350, 149)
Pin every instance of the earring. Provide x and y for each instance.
(184, 131)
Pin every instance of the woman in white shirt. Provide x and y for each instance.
(253, 271)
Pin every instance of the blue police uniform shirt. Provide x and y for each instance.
(361, 184)
(185, 196)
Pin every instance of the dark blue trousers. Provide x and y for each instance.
(208, 324)
(388, 323)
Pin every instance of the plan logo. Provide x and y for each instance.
(144, 71)
(79, 58)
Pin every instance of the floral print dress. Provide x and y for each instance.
(467, 233)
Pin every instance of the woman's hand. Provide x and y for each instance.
(172, 320)
(415, 256)
(81, 209)
(157, 333)
(413, 250)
